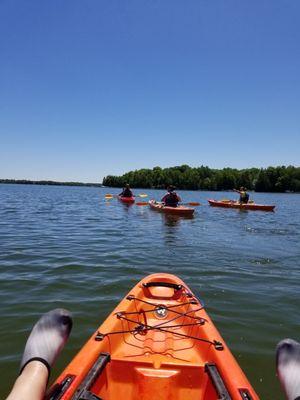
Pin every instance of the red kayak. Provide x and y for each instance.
(127, 200)
(179, 210)
(236, 204)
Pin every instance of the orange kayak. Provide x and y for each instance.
(236, 204)
(158, 343)
(179, 210)
(127, 200)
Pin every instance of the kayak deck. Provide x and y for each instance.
(158, 343)
(179, 210)
(236, 204)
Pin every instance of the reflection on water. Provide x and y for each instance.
(173, 220)
(68, 247)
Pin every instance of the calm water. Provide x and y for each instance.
(67, 247)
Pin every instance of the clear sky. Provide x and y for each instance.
(91, 87)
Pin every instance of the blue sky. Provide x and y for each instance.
(90, 88)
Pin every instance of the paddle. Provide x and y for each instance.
(112, 196)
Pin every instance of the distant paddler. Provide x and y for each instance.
(244, 196)
(171, 198)
(126, 192)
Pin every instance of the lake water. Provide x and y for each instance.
(67, 247)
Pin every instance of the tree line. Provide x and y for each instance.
(271, 179)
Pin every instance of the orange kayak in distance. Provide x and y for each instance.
(236, 204)
(179, 210)
(127, 200)
(159, 343)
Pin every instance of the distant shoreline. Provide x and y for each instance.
(279, 179)
(48, 183)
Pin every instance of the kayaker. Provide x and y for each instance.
(45, 342)
(244, 196)
(126, 192)
(171, 198)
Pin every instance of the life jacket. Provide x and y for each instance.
(126, 193)
(244, 197)
(171, 200)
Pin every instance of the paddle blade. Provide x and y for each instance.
(143, 195)
(142, 203)
(194, 203)
(109, 196)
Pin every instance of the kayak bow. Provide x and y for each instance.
(236, 204)
(159, 343)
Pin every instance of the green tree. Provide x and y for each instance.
(278, 179)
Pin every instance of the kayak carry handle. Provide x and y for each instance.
(160, 294)
(174, 286)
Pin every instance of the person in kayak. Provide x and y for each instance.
(44, 344)
(244, 196)
(126, 192)
(171, 198)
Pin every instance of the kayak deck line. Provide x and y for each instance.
(158, 342)
(162, 327)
